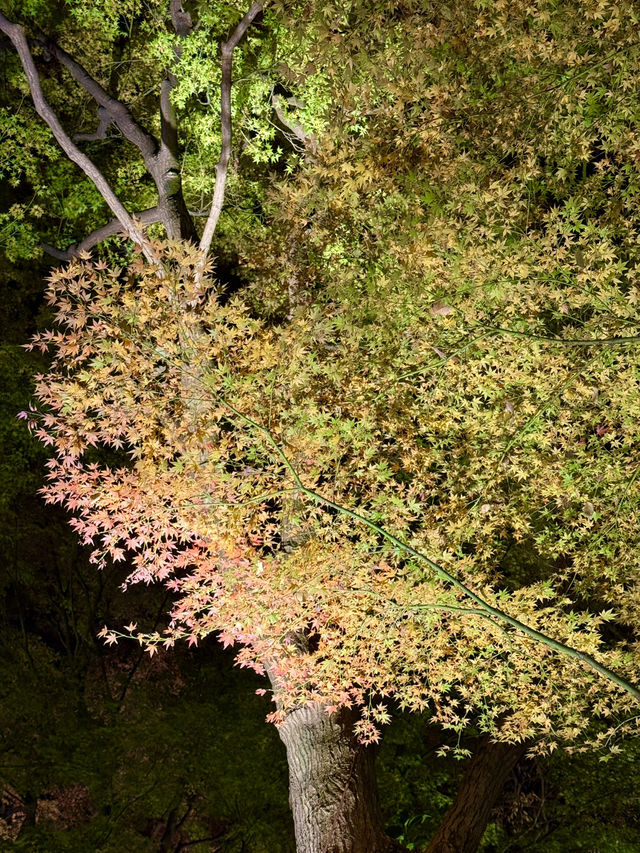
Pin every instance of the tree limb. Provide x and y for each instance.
(168, 120)
(17, 36)
(160, 157)
(144, 141)
(145, 217)
(222, 166)
(169, 183)
(180, 19)
(182, 24)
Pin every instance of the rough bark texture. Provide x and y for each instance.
(465, 822)
(332, 785)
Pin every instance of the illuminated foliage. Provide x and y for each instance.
(436, 345)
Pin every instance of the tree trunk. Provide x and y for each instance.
(176, 218)
(464, 823)
(332, 785)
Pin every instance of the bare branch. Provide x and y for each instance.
(222, 166)
(160, 157)
(17, 36)
(145, 142)
(182, 24)
(145, 217)
(168, 120)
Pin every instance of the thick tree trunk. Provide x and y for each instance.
(332, 785)
(466, 820)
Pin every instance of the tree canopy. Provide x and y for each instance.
(430, 347)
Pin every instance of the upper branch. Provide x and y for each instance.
(182, 24)
(17, 36)
(144, 141)
(222, 166)
(105, 120)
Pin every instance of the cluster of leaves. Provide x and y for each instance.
(150, 754)
(474, 185)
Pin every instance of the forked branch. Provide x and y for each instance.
(222, 166)
(18, 38)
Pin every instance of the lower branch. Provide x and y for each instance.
(145, 217)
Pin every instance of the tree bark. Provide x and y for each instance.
(332, 785)
(464, 823)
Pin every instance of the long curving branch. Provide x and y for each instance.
(222, 166)
(145, 217)
(18, 38)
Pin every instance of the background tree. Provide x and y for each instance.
(272, 397)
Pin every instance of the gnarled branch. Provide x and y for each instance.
(144, 141)
(160, 157)
(105, 120)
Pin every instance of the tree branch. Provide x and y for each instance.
(222, 166)
(182, 24)
(168, 120)
(160, 157)
(17, 36)
(145, 217)
(180, 19)
(296, 133)
(144, 141)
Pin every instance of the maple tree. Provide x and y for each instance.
(400, 461)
